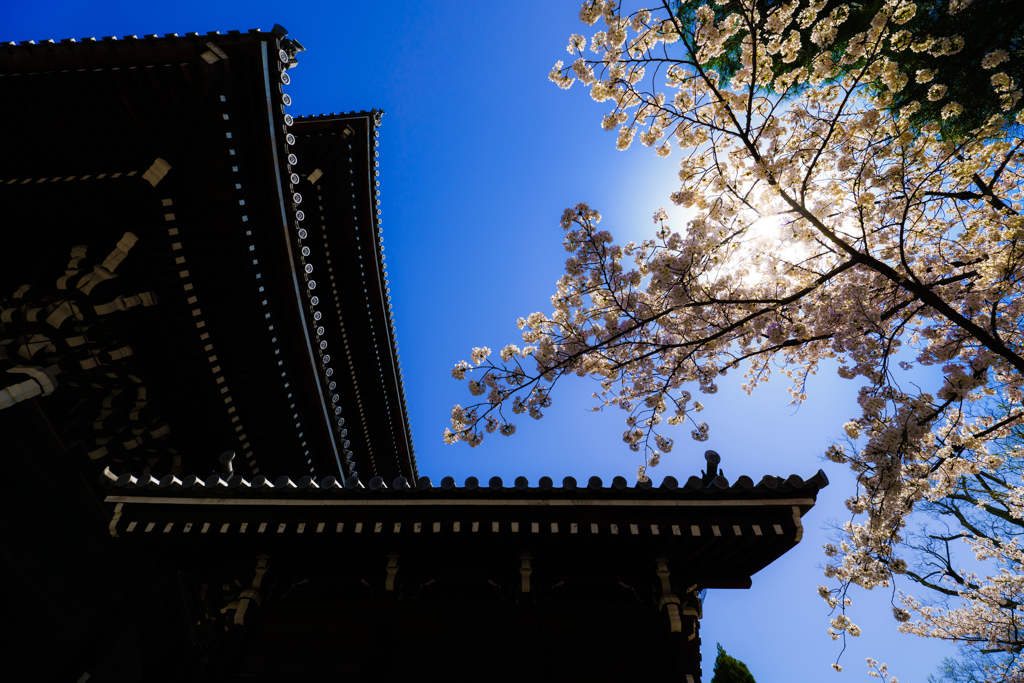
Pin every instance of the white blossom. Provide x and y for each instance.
(994, 59)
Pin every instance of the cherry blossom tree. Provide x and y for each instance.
(827, 226)
(982, 613)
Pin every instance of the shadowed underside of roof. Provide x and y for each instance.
(181, 148)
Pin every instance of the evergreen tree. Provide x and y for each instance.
(730, 670)
(943, 42)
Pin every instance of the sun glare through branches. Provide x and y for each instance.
(831, 222)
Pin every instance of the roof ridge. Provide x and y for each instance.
(224, 483)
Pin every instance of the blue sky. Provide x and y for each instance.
(479, 155)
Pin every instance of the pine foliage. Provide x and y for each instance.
(948, 37)
(730, 670)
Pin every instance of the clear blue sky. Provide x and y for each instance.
(479, 154)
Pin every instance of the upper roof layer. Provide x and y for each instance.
(185, 142)
(62, 47)
(337, 160)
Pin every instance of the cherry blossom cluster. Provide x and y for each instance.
(876, 670)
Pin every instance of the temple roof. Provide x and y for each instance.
(60, 48)
(337, 154)
(722, 533)
(267, 324)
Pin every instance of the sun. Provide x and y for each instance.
(766, 251)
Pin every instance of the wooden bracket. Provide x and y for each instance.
(115, 519)
(389, 584)
(214, 57)
(525, 569)
(668, 598)
(250, 595)
(261, 569)
(155, 173)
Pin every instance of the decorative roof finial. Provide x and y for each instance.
(225, 461)
(713, 459)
